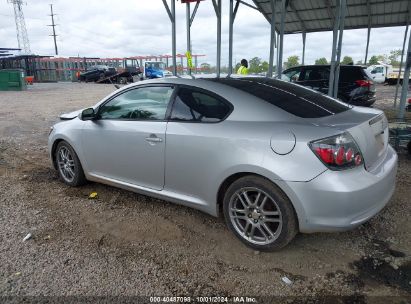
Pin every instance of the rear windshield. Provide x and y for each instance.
(294, 99)
(352, 73)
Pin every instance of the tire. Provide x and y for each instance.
(68, 165)
(250, 226)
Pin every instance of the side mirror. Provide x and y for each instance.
(373, 72)
(88, 114)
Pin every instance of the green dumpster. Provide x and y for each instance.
(12, 80)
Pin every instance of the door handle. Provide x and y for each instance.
(153, 139)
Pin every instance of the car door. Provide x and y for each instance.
(127, 140)
(379, 74)
(195, 132)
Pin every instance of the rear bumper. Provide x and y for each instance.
(342, 200)
(364, 101)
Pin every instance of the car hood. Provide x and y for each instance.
(71, 115)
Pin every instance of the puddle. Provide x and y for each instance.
(382, 272)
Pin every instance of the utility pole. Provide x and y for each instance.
(54, 30)
(22, 37)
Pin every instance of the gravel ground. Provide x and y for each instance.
(127, 244)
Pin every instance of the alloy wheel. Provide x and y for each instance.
(255, 216)
(66, 164)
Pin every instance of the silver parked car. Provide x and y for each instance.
(274, 157)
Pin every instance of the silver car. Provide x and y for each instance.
(273, 157)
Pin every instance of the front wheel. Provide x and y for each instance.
(68, 165)
(259, 214)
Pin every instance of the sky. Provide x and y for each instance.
(108, 28)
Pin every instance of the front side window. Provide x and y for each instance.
(292, 75)
(148, 103)
(193, 105)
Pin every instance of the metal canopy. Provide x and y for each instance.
(304, 16)
(319, 15)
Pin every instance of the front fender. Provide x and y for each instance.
(69, 131)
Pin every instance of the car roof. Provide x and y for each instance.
(247, 105)
(324, 65)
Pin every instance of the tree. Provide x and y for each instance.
(254, 65)
(373, 60)
(347, 60)
(321, 60)
(264, 66)
(291, 61)
(393, 57)
(359, 62)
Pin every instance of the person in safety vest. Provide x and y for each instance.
(243, 69)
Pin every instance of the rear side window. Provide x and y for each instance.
(293, 99)
(198, 106)
(316, 74)
(351, 73)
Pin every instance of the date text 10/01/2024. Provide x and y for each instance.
(200, 299)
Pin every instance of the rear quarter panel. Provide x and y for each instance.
(199, 157)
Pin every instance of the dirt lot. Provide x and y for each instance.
(127, 244)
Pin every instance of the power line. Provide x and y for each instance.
(54, 28)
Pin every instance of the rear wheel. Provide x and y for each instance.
(259, 214)
(68, 165)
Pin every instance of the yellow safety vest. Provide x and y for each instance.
(242, 70)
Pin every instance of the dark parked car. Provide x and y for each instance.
(97, 72)
(355, 85)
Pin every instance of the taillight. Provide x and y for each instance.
(338, 152)
(364, 83)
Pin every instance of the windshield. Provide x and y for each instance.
(155, 65)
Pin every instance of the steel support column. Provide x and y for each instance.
(401, 62)
(368, 31)
(303, 59)
(405, 81)
(174, 48)
(217, 7)
(368, 43)
(172, 15)
(277, 57)
(336, 48)
(340, 38)
(281, 44)
(272, 40)
(188, 25)
(230, 37)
